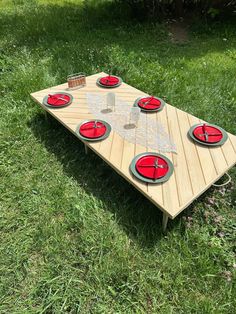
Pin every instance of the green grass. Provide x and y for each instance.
(76, 243)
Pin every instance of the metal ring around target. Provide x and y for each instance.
(208, 134)
(109, 81)
(57, 100)
(151, 167)
(93, 130)
(149, 103)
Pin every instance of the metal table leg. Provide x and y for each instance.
(164, 221)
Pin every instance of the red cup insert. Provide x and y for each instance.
(208, 134)
(92, 129)
(152, 167)
(109, 80)
(58, 100)
(149, 103)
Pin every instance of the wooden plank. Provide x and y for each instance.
(192, 158)
(204, 154)
(127, 157)
(139, 149)
(95, 145)
(228, 151)
(116, 150)
(105, 147)
(171, 199)
(183, 181)
(79, 115)
(71, 120)
(232, 139)
(218, 157)
(155, 190)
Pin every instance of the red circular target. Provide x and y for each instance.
(92, 129)
(207, 133)
(109, 80)
(152, 167)
(149, 103)
(58, 100)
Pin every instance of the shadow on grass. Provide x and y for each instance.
(79, 31)
(138, 217)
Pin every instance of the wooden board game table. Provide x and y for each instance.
(196, 167)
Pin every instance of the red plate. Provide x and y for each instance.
(91, 130)
(109, 80)
(152, 167)
(58, 100)
(149, 103)
(208, 134)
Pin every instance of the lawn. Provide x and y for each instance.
(76, 243)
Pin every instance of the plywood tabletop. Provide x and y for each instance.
(196, 167)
